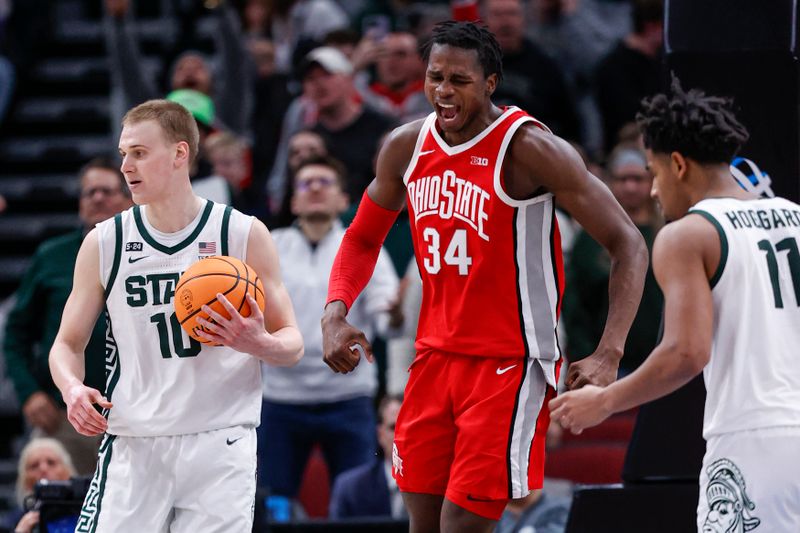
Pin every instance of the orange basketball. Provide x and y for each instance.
(200, 284)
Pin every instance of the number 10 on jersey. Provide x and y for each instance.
(455, 254)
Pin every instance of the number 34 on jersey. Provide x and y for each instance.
(455, 254)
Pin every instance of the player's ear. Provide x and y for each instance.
(491, 84)
(181, 153)
(679, 165)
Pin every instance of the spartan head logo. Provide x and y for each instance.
(729, 508)
(186, 299)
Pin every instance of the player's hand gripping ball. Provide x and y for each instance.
(200, 284)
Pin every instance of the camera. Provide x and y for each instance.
(59, 503)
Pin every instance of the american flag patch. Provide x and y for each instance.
(208, 248)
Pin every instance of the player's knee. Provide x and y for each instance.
(423, 524)
(470, 515)
(424, 511)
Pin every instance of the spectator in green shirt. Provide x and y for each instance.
(33, 322)
(586, 297)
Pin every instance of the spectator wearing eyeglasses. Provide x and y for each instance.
(305, 405)
(33, 322)
(370, 489)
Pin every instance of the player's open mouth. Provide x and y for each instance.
(447, 112)
(133, 183)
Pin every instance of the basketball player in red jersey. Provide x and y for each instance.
(480, 182)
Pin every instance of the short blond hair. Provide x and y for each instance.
(176, 122)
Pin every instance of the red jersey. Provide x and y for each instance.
(491, 266)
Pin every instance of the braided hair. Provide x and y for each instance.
(470, 36)
(698, 126)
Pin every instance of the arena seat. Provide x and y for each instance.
(586, 463)
(315, 490)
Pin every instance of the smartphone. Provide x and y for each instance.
(376, 26)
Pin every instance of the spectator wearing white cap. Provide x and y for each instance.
(331, 106)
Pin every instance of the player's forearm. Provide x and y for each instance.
(358, 252)
(66, 366)
(669, 367)
(629, 261)
(285, 347)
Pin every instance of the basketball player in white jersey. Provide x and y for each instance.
(730, 271)
(179, 452)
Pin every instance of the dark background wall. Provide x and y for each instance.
(748, 50)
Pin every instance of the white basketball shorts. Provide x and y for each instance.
(750, 481)
(199, 482)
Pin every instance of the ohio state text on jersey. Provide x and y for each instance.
(491, 266)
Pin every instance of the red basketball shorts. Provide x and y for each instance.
(472, 429)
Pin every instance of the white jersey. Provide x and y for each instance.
(753, 377)
(161, 381)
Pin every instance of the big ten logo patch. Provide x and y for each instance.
(479, 161)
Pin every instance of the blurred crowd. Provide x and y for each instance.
(293, 104)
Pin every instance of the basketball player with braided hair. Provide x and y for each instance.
(729, 267)
(179, 450)
(480, 182)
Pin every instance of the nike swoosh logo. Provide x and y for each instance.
(504, 370)
(134, 259)
(426, 152)
(231, 441)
